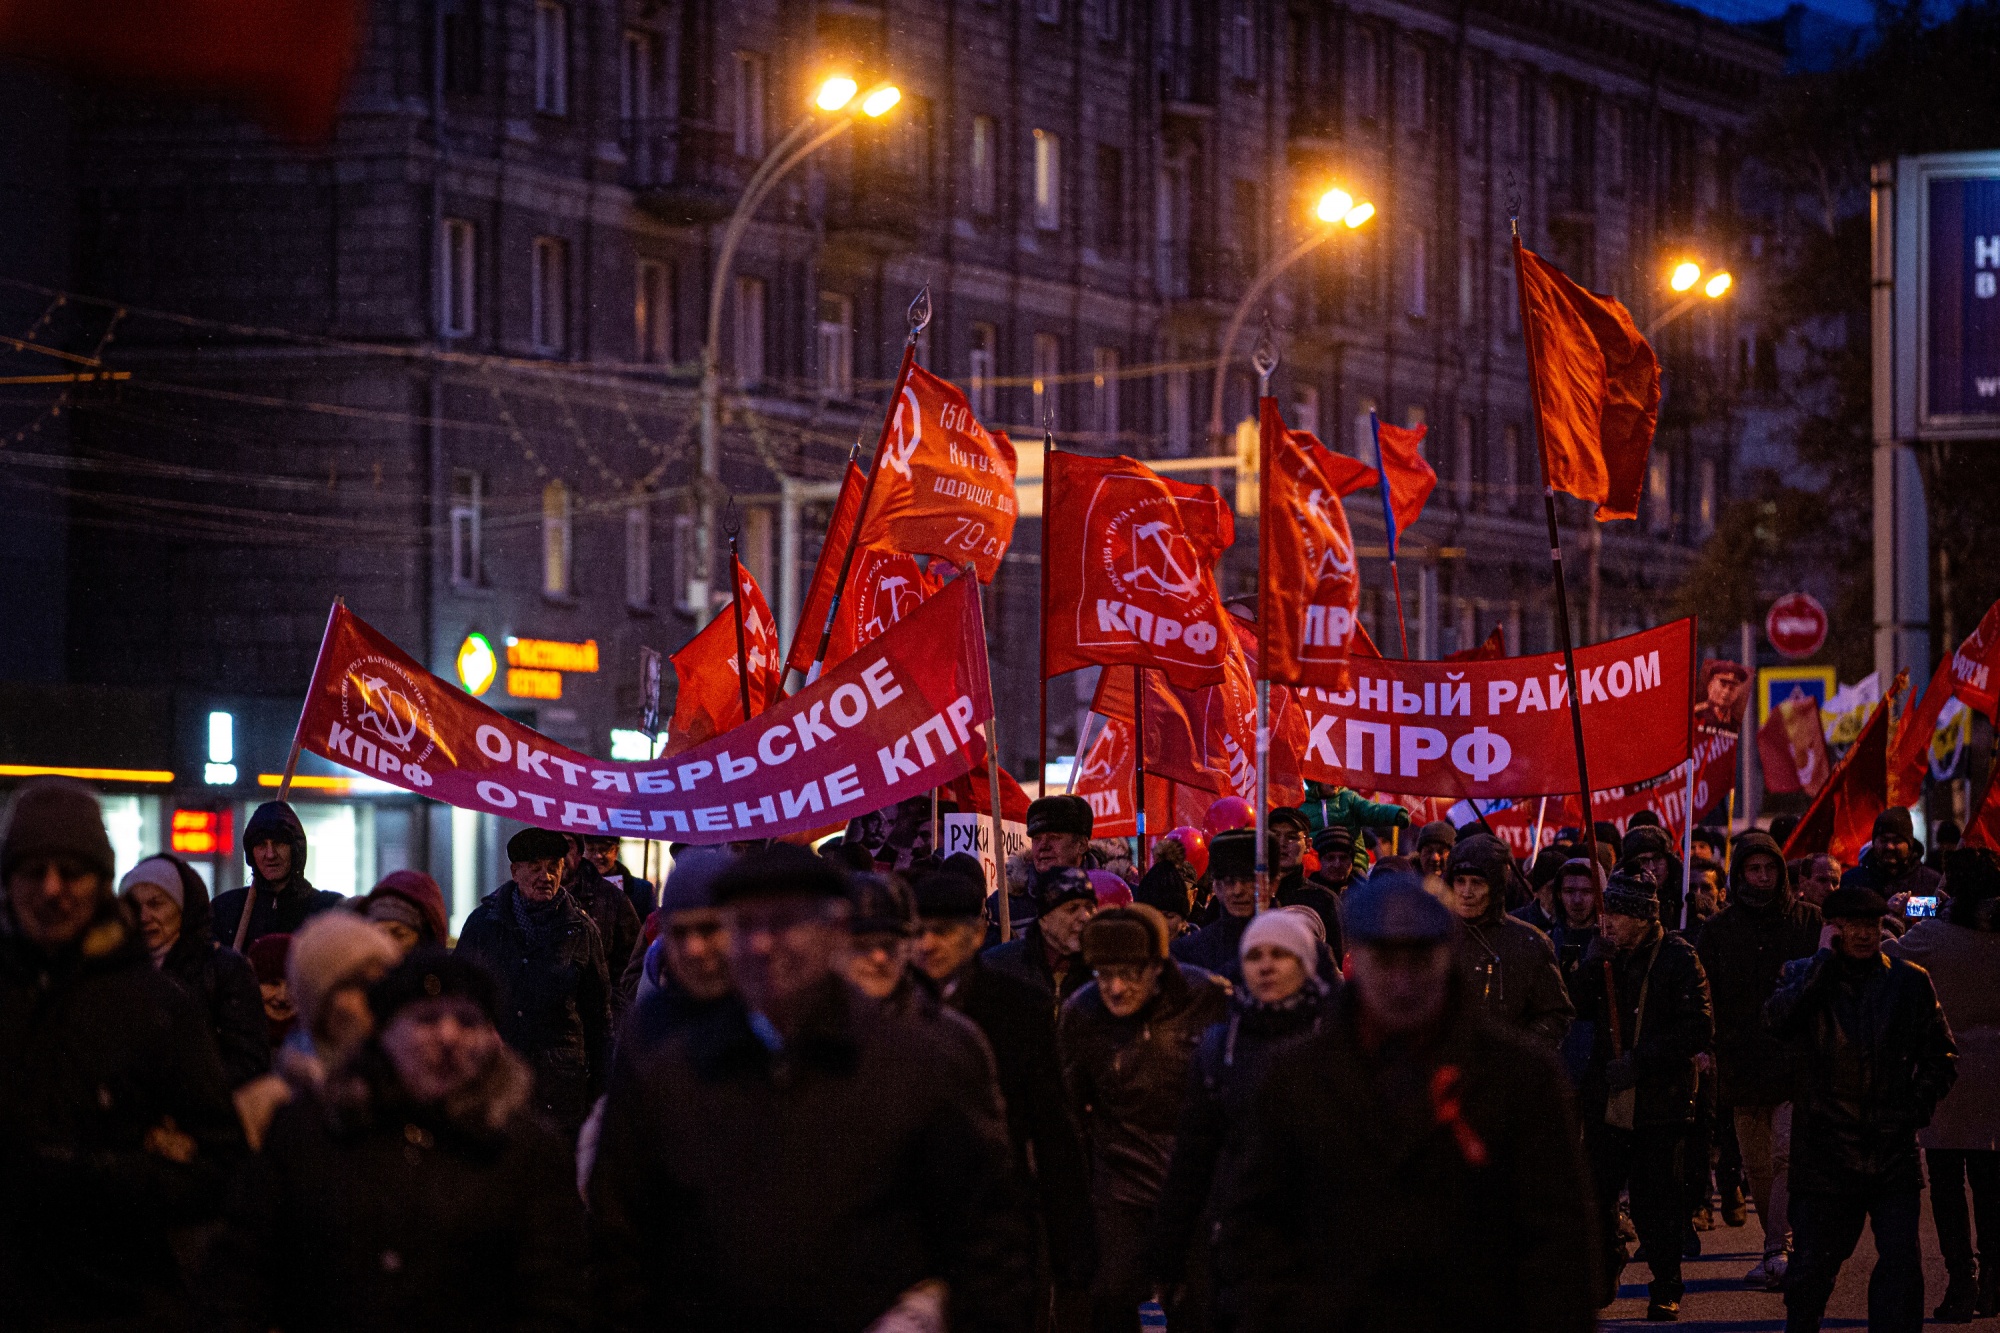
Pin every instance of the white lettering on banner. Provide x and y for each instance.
(364, 751)
(766, 809)
(494, 794)
(896, 764)
(939, 727)
(713, 819)
(857, 701)
(1319, 741)
(1114, 617)
(337, 738)
(959, 710)
(882, 686)
(530, 760)
(537, 802)
(1531, 697)
(1966, 671)
(1419, 744)
(1646, 671)
(1590, 680)
(733, 768)
(1457, 701)
(694, 771)
(811, 729)
(569, 770)
(625, 820)
(1481, 753)
(609, 779)
(1407, 702)
(1559, 690)
(1104, 804)
(489, 736)
(769, 753)
(1328, 626)
(578, 815)
(1500, 693)
(655, 783)
(1374, 695)
(806, 798)
(1356, 730)
(1618, 679)
(972, 834)
(841, 786)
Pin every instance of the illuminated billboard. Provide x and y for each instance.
(1944, 249)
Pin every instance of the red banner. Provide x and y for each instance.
(1310, 582)
(710, 695)
(1972, 674)
(1131, 570)
(826, 573)
(889, 723)
(881, 590)
(944, 485)
(1501, 728)
(1106, 782)
(1666, 796)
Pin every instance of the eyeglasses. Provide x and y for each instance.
(1130, 976)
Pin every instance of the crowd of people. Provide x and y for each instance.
(1405, 1081)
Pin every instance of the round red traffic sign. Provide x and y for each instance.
(1796, 624)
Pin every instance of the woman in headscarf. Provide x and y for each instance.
(170, 902)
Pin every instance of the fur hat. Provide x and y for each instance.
(1125, 937)
(1060, 814)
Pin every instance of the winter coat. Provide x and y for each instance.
(1648, 839)
(1027, 960)
(224, 986)
(1678, 1026)
(367, 1211)
(1294, 890)
(618, 926)
(99, 1052)
(279, 911)
(1126, 1077)
(1878, 1059)
(1509, 966)
(801, 1190)
(1330, 807)
(641, 893)
(1217, 947)
(555, 998)
(1919, 880)
(1417, 1188)
(1204, 1175)
(1743, 948)
(1048, 1152)
(1964, 966)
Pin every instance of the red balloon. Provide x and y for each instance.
(1194, 843)
(1231, 812)
(1112, 890)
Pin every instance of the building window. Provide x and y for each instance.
(556, 550)
(1239, 36)
(1103, 18)
(551, 58)
(836, 345)
(467, 500)
(1366, 73)
(464, 53)
(1104, 390)
(980, 366)
(1110, 238)
(1364, 431)
(1468, 282)
(749, 105)
(1180, 412)
(685, 564)
(1419, 306)
(749, 331)
(1305, 409)
(983, 164)
(1463, 451)
(1704, 502)
(548, 295)
(1417, 90)
(635, 76)
(1659, 492)
(1047, 365)
(456, 268)
(1048, 181)
(1048, 11)
(638, 556)
(652, 314)
(913, 139)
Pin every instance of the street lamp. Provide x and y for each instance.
(1683, 278)
(1337, 209)
(834, 111)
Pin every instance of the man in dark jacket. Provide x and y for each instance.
(1649, 850)
(1637, 1093)
(1048, 957)
(279, 894)
(170, 902)
(1879, 1056)
(1232, 873)
(1434, 843)
(116, 1128)
(1509, 966)
(555, 995)
(1126, 1041)
(1413, 1165)
(1335, 847)
(602, 853)
(1743, 947)
(1894, 861)
(1291, 837)
(618, 925)
(803, 1158)
(418, 1190)
(1015, 1016)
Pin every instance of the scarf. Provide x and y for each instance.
(536, 919)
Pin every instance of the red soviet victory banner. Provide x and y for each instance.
(889, 723)
(944, 484)
(882, 588)
(1309, 583)
(1596, 385)
(709, 699)
(1131, 570)
(1484, 730)
(826, 572)
(1841, 819)
(1791, 747)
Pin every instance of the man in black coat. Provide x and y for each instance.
(803, 1159)
(281, 898)
(1015, 1016)
(1509, 966)
(1637, 1092)
(555, 994)
(1127, 1042)
(602, 853)
(618, 925)
(1650, 850)
(1743, 948)
(1291, 836)
(1894, 861)
(1049, 956)
(1413, 1165)
(1879, 1056)
(116, 1128)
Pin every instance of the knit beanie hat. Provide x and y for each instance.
(57, 817)
(1894, 823)
(419, 893)
(1125, 937)
(1438, 831)
(690, 885)
(1632, 895)
(1164, 889)
(1065, 884)
(159, 872)
(1283, 929)
(327, 952)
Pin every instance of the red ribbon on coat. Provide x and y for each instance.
(1451, 1114)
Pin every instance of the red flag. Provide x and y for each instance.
(974, 794)
(1972, 667)
(1983, 829)
(1409, 478)
(1309, 583)
(1841, 818)
(944, 484)
(1791, 747)
(710, 698)
(1910, 753)
(1597, 388)
(826, 573)
(881, 590)
(1131, 570)
(1494, 647)
(1106, 782)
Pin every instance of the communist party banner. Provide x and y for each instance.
(1105, 781)
(1665, 796)
(710, 696)
(1968, 676)
(1130, 573)
(944, 484)
(1501, 728)
(882, 589)
(889, 723)
(1310, 583)
(826, 573)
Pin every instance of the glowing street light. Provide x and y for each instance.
(1334, 205)
(836, 93)
(878, 102)
(1716, 286)
(1359, 214)
(1686, 274)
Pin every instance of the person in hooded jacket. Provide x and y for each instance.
(1894, 861)
(1509, 966)
(279, 896)
(555, 994)
(418, 1192)
(1649, 849)
(117, 1136)
(1743, 949)
(1282, 997)
(170, 903)
(409, 906)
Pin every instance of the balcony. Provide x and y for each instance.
(682, 171)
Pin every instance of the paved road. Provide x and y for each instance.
(1718, 1302)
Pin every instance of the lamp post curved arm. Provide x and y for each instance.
(1262, 283)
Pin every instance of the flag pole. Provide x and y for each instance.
(1389, 526)
(1083, 744)
(853, 453)
(920, 318)
(292, 758)
(998, 843)
(1042, 667)
(1687, 842)
(1541, 814)
(1139, 759)
(1562, 618)
(1265, 360)
(736, 609)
